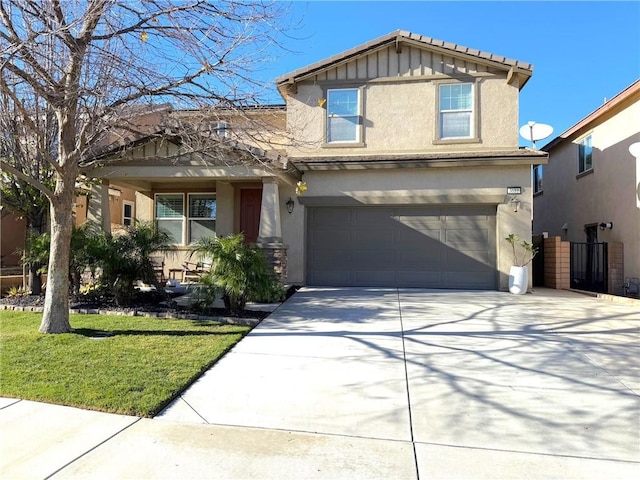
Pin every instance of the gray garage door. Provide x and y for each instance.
(429, 247)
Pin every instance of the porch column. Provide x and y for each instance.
(98, 210)
(270, 230)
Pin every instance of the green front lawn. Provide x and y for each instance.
(127, 365)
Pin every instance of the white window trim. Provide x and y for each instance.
(580, 143)
(133, 212)
(183, 219)
(472, 123)
(188, 217)
(358, 116)
(222, 129)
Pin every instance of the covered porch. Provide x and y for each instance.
(193, 200)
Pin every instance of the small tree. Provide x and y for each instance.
(528, 250)
(239, 270)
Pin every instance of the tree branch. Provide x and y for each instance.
(26, 178)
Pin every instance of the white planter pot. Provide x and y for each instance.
(518, 280)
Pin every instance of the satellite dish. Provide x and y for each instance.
(533, 132)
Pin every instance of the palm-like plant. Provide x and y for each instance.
(239, 270)
(126, 258)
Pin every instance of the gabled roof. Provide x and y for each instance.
(401, 36)
(606, 110)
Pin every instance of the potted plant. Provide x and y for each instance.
(519, 274)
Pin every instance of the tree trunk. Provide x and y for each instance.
(55, 318)
(35, 279)
(35, 226)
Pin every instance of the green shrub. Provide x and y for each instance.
(126, 258)
(239, 271)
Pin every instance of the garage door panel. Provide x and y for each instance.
(422, 279)
(373, 277)
(335, 237)
(431, 246)
(367, 258)
(470, 280)
(330, 277)
(460, 237)
(372, 237)
(330, 217)
(409, 238)
(332, 259)
(468, 261)
(372, 218)
(426, 259)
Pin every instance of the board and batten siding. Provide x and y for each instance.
(410, 62)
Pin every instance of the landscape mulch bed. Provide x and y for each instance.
(162, 309)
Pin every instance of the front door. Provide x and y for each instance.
(250, 205)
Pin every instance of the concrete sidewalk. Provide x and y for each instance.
(377, 383)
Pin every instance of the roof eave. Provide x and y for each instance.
(522, 69)
(521, 157)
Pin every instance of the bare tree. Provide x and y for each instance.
(92, 61)
(27, 150)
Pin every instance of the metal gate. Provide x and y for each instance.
(589, 266)
(537, 263)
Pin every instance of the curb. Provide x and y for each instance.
(247, 322)
(608, 297)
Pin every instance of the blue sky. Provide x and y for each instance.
(582, 52)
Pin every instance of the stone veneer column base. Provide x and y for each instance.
(276, 255)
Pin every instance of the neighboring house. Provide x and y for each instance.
(407, 146)
(122, 207)
(590, 190)
(12, 234)
(13, 230)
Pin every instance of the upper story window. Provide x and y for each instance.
(585, 155)
(222, 129)
(537, 179)
(343, 115)
(455, 102)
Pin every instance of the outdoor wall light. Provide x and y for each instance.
(608, 225)
(290, 205)
(515, 203)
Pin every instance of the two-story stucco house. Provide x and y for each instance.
(407, 146)
(590, 190)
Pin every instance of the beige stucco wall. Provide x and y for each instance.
(470, 185)
(293, 235)
(607, 195)
(402, 117)
(12, 235)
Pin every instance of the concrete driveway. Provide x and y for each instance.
(402, 384)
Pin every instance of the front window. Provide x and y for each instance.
(202, 216)
(127, 213)
(343, 115)
(169, 215)
(585, 151)
(537, 178)
(456, 110)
